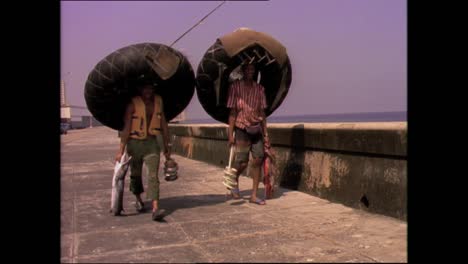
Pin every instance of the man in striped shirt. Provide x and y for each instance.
(247, 119)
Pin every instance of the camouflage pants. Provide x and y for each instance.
(144, 151)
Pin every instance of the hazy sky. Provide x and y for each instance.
(346, 55)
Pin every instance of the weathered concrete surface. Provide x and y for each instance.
(201, 225)
(384, 138)
(341, 162)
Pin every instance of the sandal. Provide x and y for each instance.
(157, 215)
(235, 193)
(258, 201)
(140, 206)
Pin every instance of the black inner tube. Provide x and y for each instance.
(113, 81)
(213, 77)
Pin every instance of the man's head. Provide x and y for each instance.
(146, 91)
(248, 70)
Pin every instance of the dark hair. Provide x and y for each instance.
(141, 86)
(244, 66)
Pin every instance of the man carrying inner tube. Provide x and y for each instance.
(247, 119)
(143, 121)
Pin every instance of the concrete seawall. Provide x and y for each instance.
(362, 165)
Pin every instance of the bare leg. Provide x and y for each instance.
(157, 214)
(155, 205)
(140, 205)
(240, 169)
(138, 197)
(255, 172)
(241, 144)
(235, 192)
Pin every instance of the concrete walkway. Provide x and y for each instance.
(200, 224)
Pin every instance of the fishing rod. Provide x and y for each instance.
(198, 23)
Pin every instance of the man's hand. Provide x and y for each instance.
(118, 156)
(266, 142)
(167, 151)
(231, 140)
(167, 154)
(269, 150)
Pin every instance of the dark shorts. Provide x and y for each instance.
(255, 142)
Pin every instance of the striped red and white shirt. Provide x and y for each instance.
(249, 101)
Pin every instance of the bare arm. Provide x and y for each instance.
(263, 115)
(266, 138)
(232, 104)
(264, 124)
(232, 120)
(165, 132)
(165, 136)
(125, 131)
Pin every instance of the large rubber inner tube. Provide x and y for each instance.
(113, 81)
(222, 60)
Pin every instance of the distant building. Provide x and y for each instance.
(65, 114)
(80, 118)
(65, 110)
